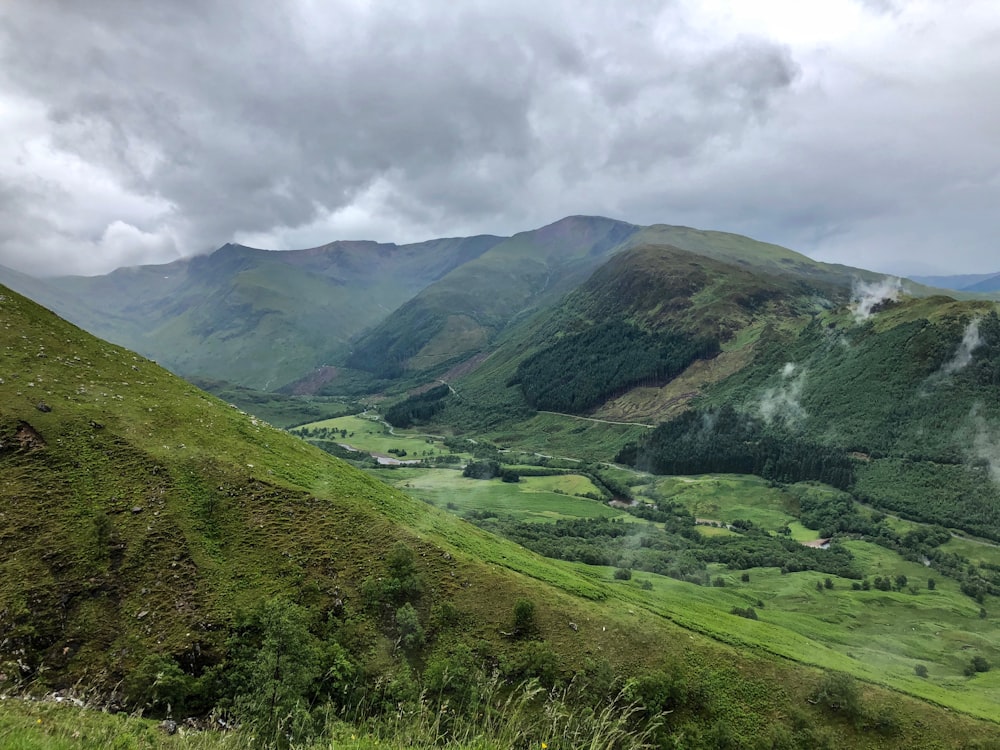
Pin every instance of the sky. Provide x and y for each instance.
(864, 132)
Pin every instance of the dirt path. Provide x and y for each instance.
(594, 419)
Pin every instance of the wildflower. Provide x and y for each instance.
(545, 746)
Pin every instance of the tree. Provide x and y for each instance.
(524, 618)
(273, 663)
(411, 634)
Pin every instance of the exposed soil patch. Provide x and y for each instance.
(313, 382)
(26, 438)
(464, 368)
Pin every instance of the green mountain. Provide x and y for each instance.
(903, 389)
(359, 312)
(254, 317)
(158, 545)
(463, 312)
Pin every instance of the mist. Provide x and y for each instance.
(866, 295)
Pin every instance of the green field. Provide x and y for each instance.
(531, 499)
(725, 498)
(977, 552)
(562, 435)
(879, 635)
(368, 433)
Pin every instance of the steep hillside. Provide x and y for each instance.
(464, 311)
(910, 395)
(468, 309)
(156, 541)
(707, 312)
(254, 317)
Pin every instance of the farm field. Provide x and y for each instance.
(881, 636)
(368, 433)
(724, 498)
(562, 435)
(531, 499)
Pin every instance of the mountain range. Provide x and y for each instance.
(158, 544)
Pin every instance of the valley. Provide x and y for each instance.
(830, 621)
(600, 484)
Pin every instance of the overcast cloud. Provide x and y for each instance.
(866, 132)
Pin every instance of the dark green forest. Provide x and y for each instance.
(580, 371)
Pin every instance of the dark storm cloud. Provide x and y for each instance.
(253, 117)
(139, 132)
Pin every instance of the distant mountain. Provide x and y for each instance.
(464, 311)
(255, 317)
(361, 313)
(971, 282)
(991, 284)
(897, 399)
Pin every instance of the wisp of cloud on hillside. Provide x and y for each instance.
(782, 402)
(865, 295)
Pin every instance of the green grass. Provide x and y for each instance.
(559, 435)
(726, 498)
(977, 552)
(232, 511)
(368, 433)
(531, 499)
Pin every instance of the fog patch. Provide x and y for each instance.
(971, 340)
(866, 295)
(986, 444)
(781, 403)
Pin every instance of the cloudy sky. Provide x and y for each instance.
(861, 131)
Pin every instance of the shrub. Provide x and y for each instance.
(524, 618)
(838, 691)
(623, 574)
(920, 670)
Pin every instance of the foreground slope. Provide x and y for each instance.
(142, 516)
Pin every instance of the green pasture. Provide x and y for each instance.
(725, 498)
(369, 434)
(531, 499)
(563, 435)
(877, 635)
(977, 552)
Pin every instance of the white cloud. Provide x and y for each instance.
(782, 403)
(863, 132)
(865, 295)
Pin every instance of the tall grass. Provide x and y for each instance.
(498, 716)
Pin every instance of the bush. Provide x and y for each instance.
(524, 618)
(920, 670)
(623, 574)
(838, 691)
(978, 664)
(747, 612)
(410, 632)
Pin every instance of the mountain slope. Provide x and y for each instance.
(654, 291)
(465, 310)
(255, 317)
(141, 517)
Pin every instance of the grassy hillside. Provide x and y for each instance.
(161, 544)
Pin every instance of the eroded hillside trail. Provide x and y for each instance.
(595, 419)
